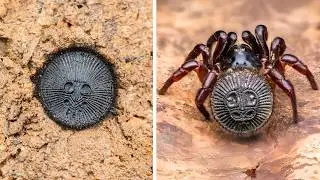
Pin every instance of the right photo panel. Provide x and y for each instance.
(237, 89)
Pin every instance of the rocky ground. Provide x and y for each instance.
(188, 147)
(32, 146)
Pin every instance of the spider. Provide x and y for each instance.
(241, 78)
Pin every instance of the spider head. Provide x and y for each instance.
(240, 56)
(242, 101)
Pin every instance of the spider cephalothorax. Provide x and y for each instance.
(240, 56)
(238, 78)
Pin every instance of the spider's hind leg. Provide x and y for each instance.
(287, 87)
(205, 91)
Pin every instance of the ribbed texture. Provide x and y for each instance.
(242, 102)
(77, 88)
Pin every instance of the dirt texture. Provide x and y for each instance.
(32, 146)
(190, 148)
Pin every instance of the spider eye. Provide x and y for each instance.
(69, 87)
(85, 89)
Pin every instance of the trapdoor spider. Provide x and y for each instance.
(241, 77)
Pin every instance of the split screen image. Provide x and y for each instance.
(222, 89)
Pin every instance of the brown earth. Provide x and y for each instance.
(32, 146)
(190, 148)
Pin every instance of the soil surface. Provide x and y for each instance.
(32, 146)
(191, 148)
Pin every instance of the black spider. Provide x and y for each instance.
(239, 78)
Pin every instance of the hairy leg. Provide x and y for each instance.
(287, 87)
(203, 92)
(183, 71)
(298, 65)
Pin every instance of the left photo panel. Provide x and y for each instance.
(76, 89)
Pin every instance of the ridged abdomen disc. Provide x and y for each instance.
(77, 87)
(242, 102)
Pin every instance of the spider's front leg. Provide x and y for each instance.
(203, 92)
(262, 37)
(248, 37)
(278, 47)
(222, 40)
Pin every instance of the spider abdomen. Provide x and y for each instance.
(242, 101)
(77, 87)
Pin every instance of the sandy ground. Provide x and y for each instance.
(188, 147)
(34, 147)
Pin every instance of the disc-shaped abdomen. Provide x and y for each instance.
(242, 102)
(77, 87)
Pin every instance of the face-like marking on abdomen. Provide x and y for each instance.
(242, 104)
(77, 87)
(77, 93)
(242, 101)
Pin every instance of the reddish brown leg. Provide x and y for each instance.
(231, 40)
(278, 47)
(214, 37)
(262, 37)
(287, 87)
(197, 50)
(183, 71)
(203, 92)
(221, 38)
(298, 65)
(248, 37)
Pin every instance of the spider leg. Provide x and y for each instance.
(190, 64)
(203, 92)
(278, 46)
(298, 65)
(231, 40)
(197, 50)
(185, 68)
(262, 37)
(287, 87)
(249, 38)
(221, 38)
